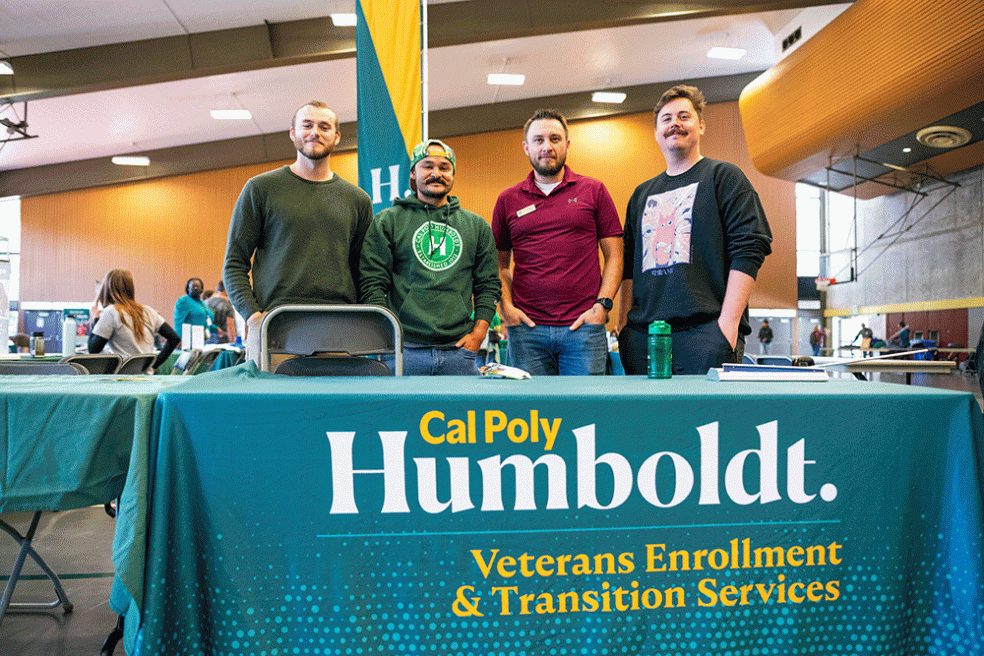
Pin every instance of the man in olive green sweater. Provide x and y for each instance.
(299, 229)
(432, 263)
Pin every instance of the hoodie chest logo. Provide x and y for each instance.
(437, 246)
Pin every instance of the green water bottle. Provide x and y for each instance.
(660, 350)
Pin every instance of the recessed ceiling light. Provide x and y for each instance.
(907, 150)
(6, 68)
(608, 97)
(132, 160)
(513, 79)
(720, 52)
(343, 20)
(231, 114)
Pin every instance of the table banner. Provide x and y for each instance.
(564, 517)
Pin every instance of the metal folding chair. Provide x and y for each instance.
(28, 368)
(204, 362)
(333, 334)
(137, 364)
(96, 363)
(186, 363)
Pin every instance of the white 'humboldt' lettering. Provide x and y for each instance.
(491, 471)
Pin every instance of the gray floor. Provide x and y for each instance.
(78, 544)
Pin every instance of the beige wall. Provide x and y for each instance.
(166, 231)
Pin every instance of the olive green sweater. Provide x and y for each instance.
(427, 264)
(299, 239)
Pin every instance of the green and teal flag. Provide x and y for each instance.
(389, 100)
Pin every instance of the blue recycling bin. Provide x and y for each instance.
(921, 344)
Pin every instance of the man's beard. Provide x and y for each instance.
(309, 150)
(548, 171)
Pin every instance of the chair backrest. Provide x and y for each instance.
(333, 365)
(204, 362)
(782, 360)
(96, 363)
(341, 329)
(137, 364)
(187, 362)
(16, 368)
(747, 359)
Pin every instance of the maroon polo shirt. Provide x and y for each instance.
(554, 244)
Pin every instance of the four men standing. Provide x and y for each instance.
(555, 300)
(694, 239)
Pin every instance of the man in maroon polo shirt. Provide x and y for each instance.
(556, 298)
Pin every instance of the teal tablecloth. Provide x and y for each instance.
(555, 516)
(65, 441)
(69, 442)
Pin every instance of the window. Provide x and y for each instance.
(808, 218)
(10, 237)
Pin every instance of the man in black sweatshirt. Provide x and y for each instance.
(695, 237)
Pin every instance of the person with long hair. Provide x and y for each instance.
(128, 327)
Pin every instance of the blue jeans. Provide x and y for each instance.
(558, 350)
(424, 360)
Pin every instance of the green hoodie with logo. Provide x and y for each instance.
(432, 266)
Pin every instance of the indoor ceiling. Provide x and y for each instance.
(103, 78)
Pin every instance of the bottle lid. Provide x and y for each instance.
(659, 328)
(38, 333)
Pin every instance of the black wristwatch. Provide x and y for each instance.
(606, 303)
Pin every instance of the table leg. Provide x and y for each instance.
(27, 550)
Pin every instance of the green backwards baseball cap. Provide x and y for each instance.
(420, 151)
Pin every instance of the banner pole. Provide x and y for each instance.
(425, 127)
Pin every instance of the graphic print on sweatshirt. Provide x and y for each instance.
(437, 246)
(665, 226)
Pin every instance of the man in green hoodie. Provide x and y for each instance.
(433, 264)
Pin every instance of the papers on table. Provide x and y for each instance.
(767, 372)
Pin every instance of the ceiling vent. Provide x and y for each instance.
(848, 112)
(943, 136)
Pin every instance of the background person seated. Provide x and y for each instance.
(128, 327)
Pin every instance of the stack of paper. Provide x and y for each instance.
(767, 372)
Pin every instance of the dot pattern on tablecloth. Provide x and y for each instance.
(393, 595)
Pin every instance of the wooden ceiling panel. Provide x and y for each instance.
(880, 70)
